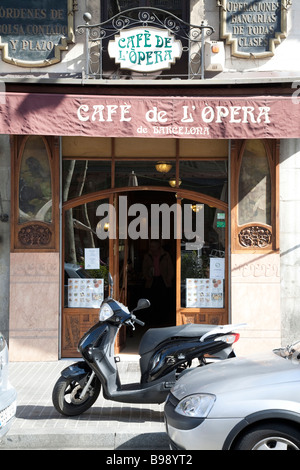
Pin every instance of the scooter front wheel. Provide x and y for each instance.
(66, 396)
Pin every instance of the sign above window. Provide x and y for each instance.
(33, 35)
(145, 49)
(253, 28)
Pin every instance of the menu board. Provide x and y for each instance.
(85, 293)
(205, 293)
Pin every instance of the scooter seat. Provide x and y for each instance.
(154, 336)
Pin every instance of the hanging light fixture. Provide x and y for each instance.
(172, 182)
(196, 207)
(163, 167)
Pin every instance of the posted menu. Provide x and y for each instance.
(205, 293)
(85, 293)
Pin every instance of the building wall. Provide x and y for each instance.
(34, 306)
(290, 239)
(4, 233)
(255, 301)
(286, 58)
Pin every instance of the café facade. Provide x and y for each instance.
(126, 122)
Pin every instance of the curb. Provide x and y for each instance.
(85, 441)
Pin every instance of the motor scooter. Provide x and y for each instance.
(165, 353)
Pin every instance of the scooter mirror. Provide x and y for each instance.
(111, 285)
(110, 280)
(142, 303)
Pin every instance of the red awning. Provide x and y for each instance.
(237, 117)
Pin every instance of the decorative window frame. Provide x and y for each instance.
(255, 237)
(34, 236)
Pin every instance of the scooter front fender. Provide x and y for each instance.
(79, 370)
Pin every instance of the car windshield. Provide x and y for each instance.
(289, 352)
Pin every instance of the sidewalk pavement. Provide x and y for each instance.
(107, 425)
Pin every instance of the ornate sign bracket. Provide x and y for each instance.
(253, 29)
(142, 22)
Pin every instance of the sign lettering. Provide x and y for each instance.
(145, 49)
(253, 28)
(33, 36)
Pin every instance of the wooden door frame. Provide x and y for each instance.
(183, 315)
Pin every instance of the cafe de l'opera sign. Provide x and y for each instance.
(145, 49)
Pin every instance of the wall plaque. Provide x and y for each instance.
(253, 28)
(33, 34)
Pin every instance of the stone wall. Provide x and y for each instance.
(4, 232)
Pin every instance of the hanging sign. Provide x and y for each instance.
(145, 49)
(253, 28)
(33, 34)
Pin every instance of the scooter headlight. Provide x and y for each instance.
(105, 312)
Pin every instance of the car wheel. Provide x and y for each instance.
(270, 437)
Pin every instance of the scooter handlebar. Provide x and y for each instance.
(136, 320)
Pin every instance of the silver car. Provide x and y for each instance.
(8, 395)
(242, 403)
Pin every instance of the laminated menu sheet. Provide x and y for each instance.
(204, 293)
(85, 293)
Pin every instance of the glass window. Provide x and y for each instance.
(86, 258)
(254, 185)
(206, 177)
(35, 191)
(85, 176)
(202, 256)
(137, 173)
(113, 7)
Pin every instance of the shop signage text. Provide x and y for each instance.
(33, 35)
(227, 117)
(253, 27)
(145, 49)
(189, 115)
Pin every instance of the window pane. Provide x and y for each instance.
(35, 193)
(206, 177)
(85, 176)
(203, 257)
(176, 7)
(254, 185)
(138, 173)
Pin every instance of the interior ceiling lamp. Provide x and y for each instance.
(172, 182)
(163, 167)
(196, 207)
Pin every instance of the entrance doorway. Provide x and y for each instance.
(147, 266)
(185, 283)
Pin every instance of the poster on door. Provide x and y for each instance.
(204, 293)
(85, 293)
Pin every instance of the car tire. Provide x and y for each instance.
(271, 436)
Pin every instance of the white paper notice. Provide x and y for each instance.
(92, 258)
(217, 268)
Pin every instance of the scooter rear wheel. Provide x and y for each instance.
(65, 396)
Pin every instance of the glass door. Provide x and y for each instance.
(85, 272)
(202, 263)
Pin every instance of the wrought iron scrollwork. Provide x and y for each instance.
(97, 37)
